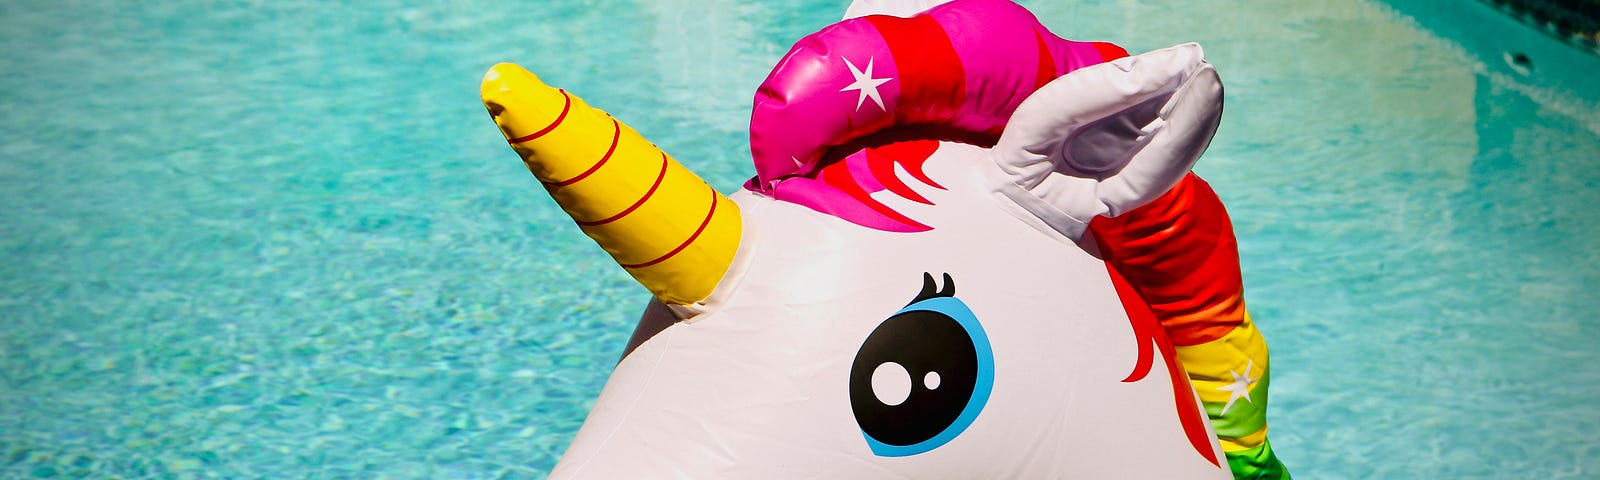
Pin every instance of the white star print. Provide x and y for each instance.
(1240, 386)
(865, 84)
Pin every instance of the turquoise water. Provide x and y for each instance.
(283, 240)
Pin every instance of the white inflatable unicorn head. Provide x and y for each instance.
(925, 278)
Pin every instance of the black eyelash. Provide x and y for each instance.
(928, 288)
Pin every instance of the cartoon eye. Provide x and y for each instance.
(923, 375)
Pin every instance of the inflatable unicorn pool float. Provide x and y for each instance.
(971, 249)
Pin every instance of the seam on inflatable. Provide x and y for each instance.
(649, 380)
(733, 277)
(1006, 193)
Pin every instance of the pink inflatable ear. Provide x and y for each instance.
(954, 72)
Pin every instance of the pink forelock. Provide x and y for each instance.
(844, 188)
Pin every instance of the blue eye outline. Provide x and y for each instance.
(956, 310)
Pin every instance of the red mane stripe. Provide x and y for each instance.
(685, 243)
(563, 116)
(913, 155)
(1047, 63)
(838, 176)
(1148, 333)
(1145, 327)
(616, 135)
(881, 165)
(1109, 51)
(1180, 255)
(933, 82)
(647, 194)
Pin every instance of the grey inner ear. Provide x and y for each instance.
(1101, 149)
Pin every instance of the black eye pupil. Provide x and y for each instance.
(922, 342)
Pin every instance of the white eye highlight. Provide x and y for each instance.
(931, 380)
(891, 383)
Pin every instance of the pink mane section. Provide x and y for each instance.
(960, 68)
(955, 73)
(844, 188)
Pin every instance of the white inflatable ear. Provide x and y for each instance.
(1108, 138)
(898, 8)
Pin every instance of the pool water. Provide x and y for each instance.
(250, 239)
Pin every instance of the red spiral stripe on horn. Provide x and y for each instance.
(687, 242)
(563, 116)
(659, 177)
(616, 135)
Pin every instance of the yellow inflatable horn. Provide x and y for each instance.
(674, 233)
